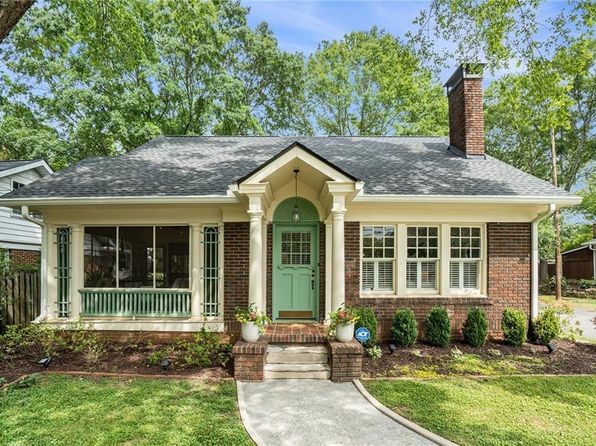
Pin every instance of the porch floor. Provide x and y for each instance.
(295, 332)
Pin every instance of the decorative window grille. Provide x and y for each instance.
(466, 255)
(378, 252)
(211, 271)
(422, 257)
(63, 241)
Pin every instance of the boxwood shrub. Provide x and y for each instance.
(404, 329)
(367, 319)
(475, 328)
(437, 327)
(515, 326)
(547, 326)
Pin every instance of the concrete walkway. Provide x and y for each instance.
(317, 412)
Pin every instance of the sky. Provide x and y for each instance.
(301, 25)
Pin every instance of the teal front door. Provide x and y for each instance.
(295, 265)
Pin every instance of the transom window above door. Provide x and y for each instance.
(295, 248)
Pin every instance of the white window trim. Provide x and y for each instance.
(220, 255)
(399, 273)
(438, 273)
(378, 292)
(16, 212)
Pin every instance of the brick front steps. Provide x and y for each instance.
(297, 351)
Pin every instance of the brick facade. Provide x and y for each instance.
(249, 360)
(466, 117)
(508, 282)
(345, 360)
(23, 257)
(235, 270)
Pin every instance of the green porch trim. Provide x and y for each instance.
(135, 302)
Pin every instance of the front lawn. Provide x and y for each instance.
(62, 410)
(498, 411)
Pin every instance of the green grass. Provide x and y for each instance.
(498, 411)
(574, 302)
(62, 410)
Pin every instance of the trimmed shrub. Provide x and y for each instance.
(404, 329)
(367, 319)
(547, 326)
(515, 326)
(438, 329)
(475, 328)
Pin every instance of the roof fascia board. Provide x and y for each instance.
(39, 165)
(296, 150)
(193, 199)
(501, 199)
(569, 251)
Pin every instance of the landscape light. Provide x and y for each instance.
(551, 347)
(45, 362)
(165, 364)
(392, 348)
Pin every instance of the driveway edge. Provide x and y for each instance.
(401, 420)
(244, 416)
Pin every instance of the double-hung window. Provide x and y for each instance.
(465, 258)
(422, 260)
(16, 186)
(378, 258)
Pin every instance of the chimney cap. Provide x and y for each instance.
(467, 70)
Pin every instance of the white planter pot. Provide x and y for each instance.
(344, 333)
(250, 332)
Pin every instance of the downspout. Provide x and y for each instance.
(43, 262)
(535, 259)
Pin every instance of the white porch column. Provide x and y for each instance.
(77, 275)
(338, 295)
(255, 278)
(195, 270)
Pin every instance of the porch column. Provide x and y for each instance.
(195, 268)
(76, 269)
(255, 277)
(338, 296)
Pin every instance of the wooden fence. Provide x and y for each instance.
(20, 298)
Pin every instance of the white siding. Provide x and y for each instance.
(14, 229)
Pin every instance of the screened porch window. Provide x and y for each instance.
(137, 257)
(422, 257)
(465, 258)
(378, 258)
(210, 271)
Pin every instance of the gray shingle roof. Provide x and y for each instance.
(11, 164)
(204, 165)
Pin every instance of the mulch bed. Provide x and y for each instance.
(116, 360)
(569, 358)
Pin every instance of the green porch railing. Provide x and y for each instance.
(135, 302)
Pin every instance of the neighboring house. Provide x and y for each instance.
(19, 238)
(179, 232)
(579, 263)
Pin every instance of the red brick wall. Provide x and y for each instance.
(508, 281)
(235, 269)
(23, 257)
(466, 117)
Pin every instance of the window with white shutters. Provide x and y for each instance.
(465, 257)
(378, 258)
(422, 261)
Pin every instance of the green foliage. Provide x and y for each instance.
(553, 280)
(437, 327)
(588, 206)
(547, 326)
(515, 326)
(368, 319)
(40, 340)
(475, 328)
(26, 382)
(79, 340)
(343, 316)
(371, 83)
(375, 352)
(205, 350)
(572, 236)
(404, 329)
(250, 314)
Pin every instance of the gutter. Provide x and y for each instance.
(43, 260)
(535, 259)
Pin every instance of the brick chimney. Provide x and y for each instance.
(466, 116)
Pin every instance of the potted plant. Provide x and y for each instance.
(253, 323)
(342, 321)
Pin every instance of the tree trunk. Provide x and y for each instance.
(557, 220)
(11, 12)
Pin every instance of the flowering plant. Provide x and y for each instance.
(343, 316)
(250, 314)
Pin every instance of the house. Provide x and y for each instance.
(173, 236)
(20, 239)
(579, 263)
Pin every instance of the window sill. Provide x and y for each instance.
(364, 295)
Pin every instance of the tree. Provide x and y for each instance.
(11, 12)
(371, 83)
(108, 76)
(588, 206)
